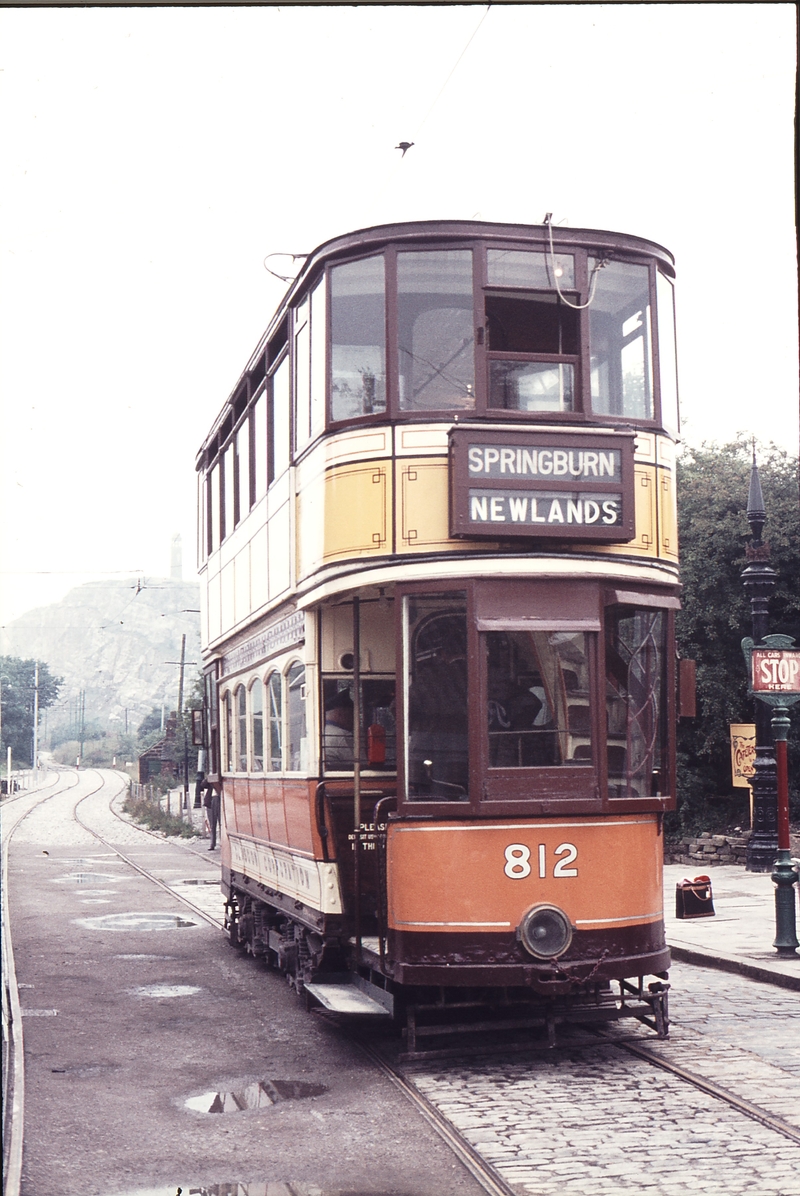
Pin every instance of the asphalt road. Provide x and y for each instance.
(123, 1026)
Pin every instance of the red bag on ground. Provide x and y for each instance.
(693, 898)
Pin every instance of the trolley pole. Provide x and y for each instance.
(758, 579)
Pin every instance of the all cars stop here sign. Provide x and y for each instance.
(776, 670)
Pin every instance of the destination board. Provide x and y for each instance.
(559, 485)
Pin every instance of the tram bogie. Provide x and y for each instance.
(439, 557)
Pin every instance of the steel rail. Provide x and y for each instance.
(485, 1175)
(740, 1103)
(216, 922)
(477, 1166)
(489, 1180)
(13, 1043)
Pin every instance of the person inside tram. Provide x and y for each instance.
(438, 710)
(337, 737)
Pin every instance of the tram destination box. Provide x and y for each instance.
(560, 485)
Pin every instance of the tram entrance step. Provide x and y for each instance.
(347, 998)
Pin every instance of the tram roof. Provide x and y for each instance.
(376, 237)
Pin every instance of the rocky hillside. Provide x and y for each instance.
(113, 640)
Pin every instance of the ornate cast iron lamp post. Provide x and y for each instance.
(774, 671)
(758, 579)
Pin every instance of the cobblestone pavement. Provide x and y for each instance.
(574, 1122)
(598, 1119)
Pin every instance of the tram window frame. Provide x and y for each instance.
(258, 444)
(255, 722)
(539, 605)
(651, 324)
(282, 362)
(274, 723)
(241, 749)
(211, 699)
(491, 288)
(227, 731)
(666, 604)
(463, 591)
(389, 282)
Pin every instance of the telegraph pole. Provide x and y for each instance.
(36, 717)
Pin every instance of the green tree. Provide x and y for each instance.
(151, 722)
(713, 534)
(17, 679)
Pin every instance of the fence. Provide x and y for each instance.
(172, 802)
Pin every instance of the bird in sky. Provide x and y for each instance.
(404, 145)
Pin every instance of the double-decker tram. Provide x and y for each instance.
(439, 571)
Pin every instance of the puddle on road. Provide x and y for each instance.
(39, 1012)
(165, 990)
(138, 921)
(261, 1095)
(263, 1188)
(148, 958)
(84, 861)
(85, 878)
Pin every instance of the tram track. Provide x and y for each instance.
(13, 1041)
(483, 1171)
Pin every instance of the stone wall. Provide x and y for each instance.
(716, 849)
(707, 849)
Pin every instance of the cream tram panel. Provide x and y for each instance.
(377, 637)
(310, 881)
(280, 571)
(259, 573)
(422, 516)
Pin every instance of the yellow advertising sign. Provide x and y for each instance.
(743, 753)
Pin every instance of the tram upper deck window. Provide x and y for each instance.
(435, 677)
(621, 341)
(278, 422)
(538, 709)
(435, 321)
(668, 364)
(531, 337)
(636, 706)
(358, 339)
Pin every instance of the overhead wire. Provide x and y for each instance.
(379, 196)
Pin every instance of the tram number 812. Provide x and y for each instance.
(518, 860)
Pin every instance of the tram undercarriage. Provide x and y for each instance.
(338, 976)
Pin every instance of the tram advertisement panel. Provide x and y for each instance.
(542, 484)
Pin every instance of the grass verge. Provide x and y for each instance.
(157, 819)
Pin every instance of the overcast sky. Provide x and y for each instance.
(152, 157)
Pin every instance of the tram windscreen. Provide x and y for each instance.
(435, 318)
(538, 707)
(358, 339)
(435, 673)
(621, 341)
(636, 707)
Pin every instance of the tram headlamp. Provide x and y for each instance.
(545, 932)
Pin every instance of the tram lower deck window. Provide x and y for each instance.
(435, 644)
(636, 706)
(538, 703)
